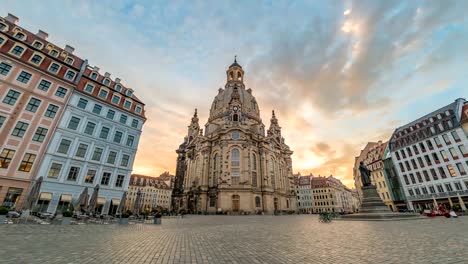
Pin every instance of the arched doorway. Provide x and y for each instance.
(235, 203)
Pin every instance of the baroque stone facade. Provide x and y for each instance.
(233, 166)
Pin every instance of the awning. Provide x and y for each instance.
(45, 196)
(101, 200)
(66, 198)
(115, 202)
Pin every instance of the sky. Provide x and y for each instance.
(337, 73)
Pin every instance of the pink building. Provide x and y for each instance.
(36, 81)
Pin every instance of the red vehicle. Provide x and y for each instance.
(437, 212)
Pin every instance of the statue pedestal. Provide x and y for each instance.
(373, 209)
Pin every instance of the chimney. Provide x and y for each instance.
(41, 34)
(117, 80)
(69, 49)
(12, 19)
(107, 74)
(96, 68)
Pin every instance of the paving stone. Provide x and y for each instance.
(240, 239)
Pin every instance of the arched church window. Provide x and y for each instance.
(235, 166)
(239, 76)
(271, 168)
(254, 170)
(231, 76)
(215, 169)
(257, 201)
(235, 118)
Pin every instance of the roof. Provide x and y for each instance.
(235, 64)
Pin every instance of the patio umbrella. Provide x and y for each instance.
(93, 200)
(435, 203)
(82, 202)
(137, 205)
(34, 194)
(462, 204)
(122, 203)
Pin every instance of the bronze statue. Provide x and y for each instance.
(365, 175)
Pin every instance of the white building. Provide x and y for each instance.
(155, 192)
(431, 157)
(94, 144)
(303, 192)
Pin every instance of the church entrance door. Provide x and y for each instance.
(235, 203)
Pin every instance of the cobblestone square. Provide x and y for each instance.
(240, 239)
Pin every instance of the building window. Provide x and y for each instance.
(413, 180)
(434, 175)
(2, 121)
(53, 53)
(20, 129)
(54, 170)
(90, 176)
(5, 157)
(97, 109)
(134, 123)
(117, 137)
(446, 139)
(111, 157)
(118, 87)
(17, 50)
(24, 77)
(411, 193)
(33, 105)
(97, 154)
(54, 67)
(130, 140)
(436, 158)
(442, 173)
(120, 180)
(432, 189)
(440, 188)
(426, 176)
(461, 169)
(4, 68)
(115, 99)
(138, 110)
(69, 60)
(124, 161)
(105, 178)
(61, 92)
(51, 111)
(451, 170)
(123, 119)
(106, 82)
(103, 94)
(27, 162)
(463, 151)
(110, 114)
(40, 134)
(36, 59)
(444, 155)
(90, 126)
(104, 133)
(94, 76)
(254, 170)
(448, 186)
(405, 177)
(453, 153)
(11, 97)
(81, 151)
(458, 186)
(429, 144)
(70, 75)
(89, 88)
(82, 103)
(74, 122)
(127, 104)
(64, 146)
(455, 136)
(403, 154)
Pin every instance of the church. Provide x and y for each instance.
(233, 165)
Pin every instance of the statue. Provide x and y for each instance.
(365, 175)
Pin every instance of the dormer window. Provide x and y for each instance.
(94, 76)
(127, 104)
(20, 35)
(38, 45)
(69, 60)
(106, 82)
(138, 110)
(129, 93)
(3, 27)
(54, 53)
(118, 87)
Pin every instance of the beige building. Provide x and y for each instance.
(375, 164)
(329, 195)
(234, 165)
(155, 192)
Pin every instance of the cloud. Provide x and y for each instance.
(332, 91)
